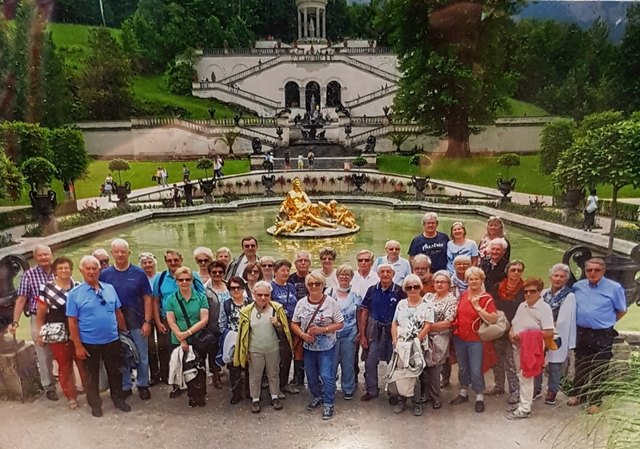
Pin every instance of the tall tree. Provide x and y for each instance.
(453, 64)
(627, 65)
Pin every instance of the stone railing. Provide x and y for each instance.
(358, 139)
(251, 70)
(383, 92)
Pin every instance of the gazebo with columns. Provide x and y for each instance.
(312, 19)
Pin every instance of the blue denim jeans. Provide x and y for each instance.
(345, 355)
(469, 355)
(318, 366)
(554, 371)
(142, 373)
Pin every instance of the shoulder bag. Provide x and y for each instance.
(297, 343)
(491, 331)
(54, 333)
(204, 339)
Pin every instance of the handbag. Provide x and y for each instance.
(54, 333)
(297, 343)
(203, 340)
(492, 331)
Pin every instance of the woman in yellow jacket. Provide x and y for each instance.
(260, 326)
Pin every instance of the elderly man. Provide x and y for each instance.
(374, 325)
(164, 286)
(302, 262)
(431, 242)
(494, 267)
(249, 255)
(364, 277)
(600, 303)
(94, 313)
(134, 291)
(149, 265)
(27, 301)
(421, 267)
(400, 265)
(102, 256)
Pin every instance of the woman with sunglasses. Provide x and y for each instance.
(495, 229)
(412, 319)
(251, 275)
(185, 328)
(266, 266)
(203, 257)
(508, 294)
(228, 323)
(316, 320)
(217, 293)
(328, 258)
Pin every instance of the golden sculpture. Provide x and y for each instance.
(298, 212)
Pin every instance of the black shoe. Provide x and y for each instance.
(201, 402)
(52, 395)
(126, 394)
(176, 392)
(255, 407)
(234, 400)
(436, 405)
(121, 405)
(393, 400)
(277, 405)
(97, 412)
(314, 404)
(459, 400)
(327, 413)
(154, 381)
(144, 393)
(192, 402)
(479, 406)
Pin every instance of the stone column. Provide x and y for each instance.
(299, 24)
(306, 23)
(324, 23)
(318, 28)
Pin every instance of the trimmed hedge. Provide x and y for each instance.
(626, 211)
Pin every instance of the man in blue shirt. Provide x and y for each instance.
(600, 303)
(133, 289)
(94, 313)
(431, 243)
(374, 324)
(164, 286)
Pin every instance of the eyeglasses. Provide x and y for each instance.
(249, 245)
(412, 287)
(393, 249)
(440, 282)
(254, 271)
(172, 260)
(235, 288)
(201, 261)
(364, 260)
(303, 261)
(184, 280)
(266, 265)
(593, 270)
(420, 268)
(530, 292)
(104, 261)
(217, 272)
(346, 275)
(314, 284)
(101, 298)
(516, 270)
(262, 295)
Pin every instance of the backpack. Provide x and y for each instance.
(129, 353)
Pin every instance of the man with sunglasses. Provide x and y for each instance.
(400, 264)
(364, 277)
(134, 291)
(164, 286)
(249, 255)
(103, 257)
(600, 303)
(94, 315)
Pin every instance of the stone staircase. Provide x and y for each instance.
(328, 156)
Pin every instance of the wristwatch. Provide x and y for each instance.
(15, 324)
(149, 321)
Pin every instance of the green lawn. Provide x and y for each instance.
(517, 108)
(72, 42)
(484, 171)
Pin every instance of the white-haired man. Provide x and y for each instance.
(400, 265)
(364, 277)
(431, 242)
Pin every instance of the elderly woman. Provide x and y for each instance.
(266, 266)
(508, 294)
(532, 323)
(458, 284)
(52, 307)
(258, 343)
(474, 304)
(228, 323)
(251, 275)
(217, 293)
(223, 254)
(187, 315)
(316, 320)
(460, 245)
(412, 319)
(203, 257)
(345, 353)
(327, 259)
(562, 301)
(495, 265)
(444, 305)
(495, 229)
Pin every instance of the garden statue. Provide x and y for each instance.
(358, 180)
(268, 182)
(256, 145)
(370, 145)
(420, 184)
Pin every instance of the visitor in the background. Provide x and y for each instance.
(495, 229)
(431, 242)
(203, 257)
(300, 162)
(287, 160)
(507, 294)
(400, 264)
(460, 245)
(266, 266)
(495, 265)
(163, 177)
(149, 265)
(311, 159)
(103, 257)
(27, 301)
(327, 259)
(228, 322)
(316, 320)
(251, 274)
(421, 266)
(458, 283)
(217, 293)
(364, 277)
(176, 196)
(134, 292)
(94, 316)
(223, 254)
(590, 209)
(52, 306)
(187, 188)
(474, 304)
(562, 301)
(249, 255)
(346, 344)
(186, 173)
(218, 163)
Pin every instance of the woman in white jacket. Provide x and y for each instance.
(563, 305)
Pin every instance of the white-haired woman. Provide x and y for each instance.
(562, 301)
(327, 259)
(316, 320)
(223, 254)
(445, 307)
(412, 319)
(495, 229)
(203, 257)
(345, 354)
(458, 283)
(266, 266)
(460, 245)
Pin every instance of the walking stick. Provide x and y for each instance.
(15, 353)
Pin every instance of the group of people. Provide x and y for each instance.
(276, 322)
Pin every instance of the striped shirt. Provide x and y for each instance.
(55, 298)
(30, 286)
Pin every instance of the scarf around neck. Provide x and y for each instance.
(555, 301)
(506, 292)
